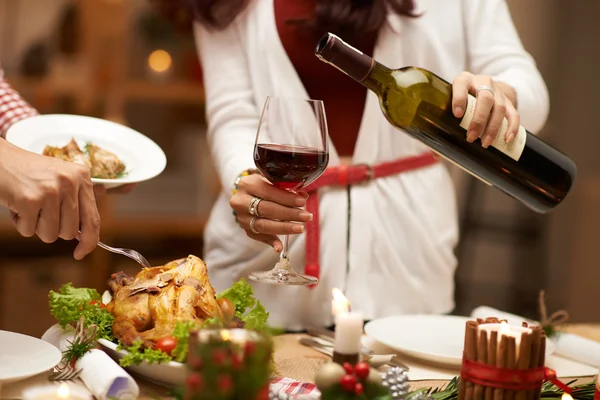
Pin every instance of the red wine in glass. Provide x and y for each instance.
(290, 167)
(291, 151)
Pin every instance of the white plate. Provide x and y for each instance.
(434, 338)
(143, 158)
(23, 356)
(167, 374)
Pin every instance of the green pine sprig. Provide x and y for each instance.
(549, 391)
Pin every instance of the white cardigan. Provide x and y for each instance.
(403, 228)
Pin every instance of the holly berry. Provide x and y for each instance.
(249, 348)
(361, 370)
(348, 368)
(358, 388)
(195, 362)
(263, 394)
(225, 383)
(218, 357)
(194, 381)
(348, 382)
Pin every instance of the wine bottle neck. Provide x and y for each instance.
(357, 65)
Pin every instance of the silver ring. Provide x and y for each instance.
(486, 87)
(253, 206)
(252, 228)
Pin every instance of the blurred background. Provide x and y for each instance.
(124, 61)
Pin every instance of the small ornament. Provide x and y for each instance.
(328, 375)
(225, 383)
(421, 396)
(194, 381)
(348, 368)
(358, 388)
(396, 380)
(361, 370)
(348, 382)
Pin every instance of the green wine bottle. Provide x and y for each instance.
(419, 102)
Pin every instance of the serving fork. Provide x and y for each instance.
(134, 255)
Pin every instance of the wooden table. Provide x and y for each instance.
(295, 361)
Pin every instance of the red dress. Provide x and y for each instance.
(344, 99)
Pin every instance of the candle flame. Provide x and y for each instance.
(504, 328)
(225, 335)
(566, 396)
(340, 303)
(63, 391)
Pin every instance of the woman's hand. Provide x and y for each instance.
(48, 197)
(278, 213)
(495, 101)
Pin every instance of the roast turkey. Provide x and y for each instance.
(147, 307)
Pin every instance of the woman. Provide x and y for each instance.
(388, 244)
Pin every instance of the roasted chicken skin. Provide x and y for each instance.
(147, 306)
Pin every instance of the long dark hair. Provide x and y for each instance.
(339, 16)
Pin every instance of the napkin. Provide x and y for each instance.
(100, 373)
(568, 345)
(295, 389)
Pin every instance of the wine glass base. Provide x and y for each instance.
(279, 276)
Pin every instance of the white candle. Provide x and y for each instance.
(53, 392)
(505, 329)
(348, 325)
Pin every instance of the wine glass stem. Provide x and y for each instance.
(284, 258)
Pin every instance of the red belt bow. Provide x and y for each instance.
(344, 175)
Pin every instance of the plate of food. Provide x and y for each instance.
(437, 339)
(115, 154)
(144, 321)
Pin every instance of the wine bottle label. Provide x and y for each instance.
(513, 149)
(463, 168)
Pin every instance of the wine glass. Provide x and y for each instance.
(291, 151)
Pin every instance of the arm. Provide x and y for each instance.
(12, 107)
(495, 49)
(231, 112)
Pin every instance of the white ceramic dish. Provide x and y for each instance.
(169, 374)
(434, 338)
(23, 356)
(143, 158)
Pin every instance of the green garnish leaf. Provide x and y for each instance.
(96, 315)
(182, 334)
(68, 303)
(247, 307)
(136, 355)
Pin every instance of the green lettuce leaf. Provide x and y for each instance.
(247, 307)
(136, 355)
(68, 303)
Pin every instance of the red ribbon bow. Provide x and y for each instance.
(507, 378)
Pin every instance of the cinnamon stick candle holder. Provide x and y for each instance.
(503, 362)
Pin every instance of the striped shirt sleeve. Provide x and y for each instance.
(13, 107)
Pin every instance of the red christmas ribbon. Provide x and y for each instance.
(509, 379)
(597, 394)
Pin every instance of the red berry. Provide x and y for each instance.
(195, 362)
(348, 368)
(249, 348)
(347, 382)
(362, 370)
(194, 381)
(263, 394)
(225, 383)
(358, 388)
(236, 361)
(218, 357)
